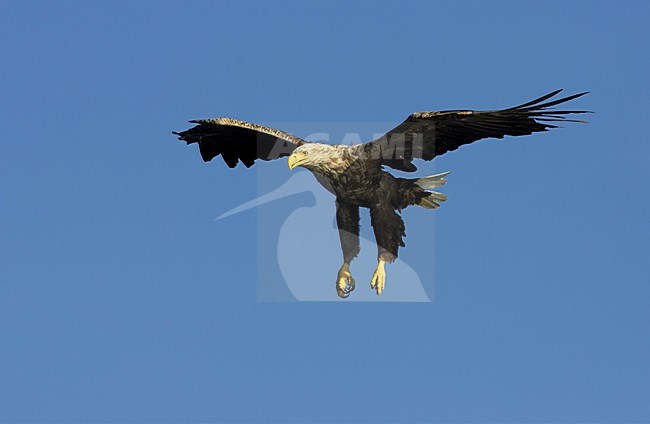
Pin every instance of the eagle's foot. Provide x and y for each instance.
(344, 282)
(378, 281)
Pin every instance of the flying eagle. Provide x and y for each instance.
(357, 174)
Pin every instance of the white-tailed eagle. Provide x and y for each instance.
(357, 174)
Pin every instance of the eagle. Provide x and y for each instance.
(358, 174)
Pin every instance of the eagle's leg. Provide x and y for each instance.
(378, 281)
(345, 284)
(347, 221)
(389, 229)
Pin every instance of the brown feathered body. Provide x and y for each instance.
(350, 173)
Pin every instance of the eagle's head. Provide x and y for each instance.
(312, 156)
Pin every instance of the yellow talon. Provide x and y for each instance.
(344, 282)
(378, 281)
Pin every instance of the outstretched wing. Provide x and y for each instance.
(237, 140)
(425, 135)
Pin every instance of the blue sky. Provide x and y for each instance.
(122, 300)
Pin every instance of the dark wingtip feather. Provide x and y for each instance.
(561, 119)
(557, 102)
(180, 135)
(541, 99)
(538, 105)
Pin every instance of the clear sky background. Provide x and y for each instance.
(122, 300)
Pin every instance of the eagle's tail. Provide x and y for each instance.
(433, 200)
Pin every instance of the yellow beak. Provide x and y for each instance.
(297, 159)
